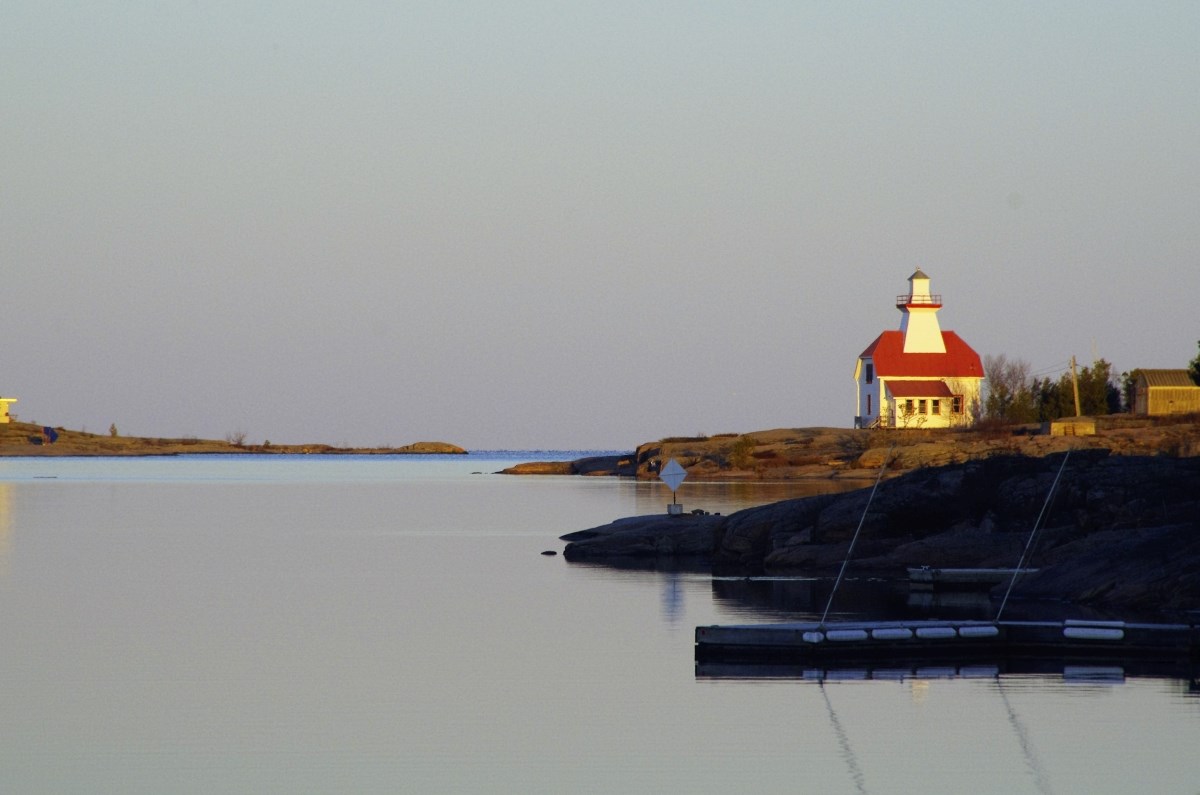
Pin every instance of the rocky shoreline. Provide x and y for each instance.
(855, 455)
(1121, 531)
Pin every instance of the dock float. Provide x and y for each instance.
(948, 640)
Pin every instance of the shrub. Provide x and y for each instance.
(743, 450)
(993, 427)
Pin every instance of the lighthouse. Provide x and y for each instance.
(919, 376)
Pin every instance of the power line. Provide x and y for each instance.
(1055, 369)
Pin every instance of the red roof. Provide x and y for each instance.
(907, 389)
(959, 361)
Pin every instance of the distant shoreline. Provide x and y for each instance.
(24, 440)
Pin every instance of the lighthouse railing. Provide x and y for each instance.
(918, 300)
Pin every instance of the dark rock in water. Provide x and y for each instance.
(1120, 531)
(1153, 568)
(540, 468)
(660, 535)
(747, 534)
(549, 552)
(603, 465)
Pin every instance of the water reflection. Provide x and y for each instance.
(973, 604)
(1032, 760)
(726, 497)
(843, 740)
(1182, 677)
(1032, 736)
(6, 496)
(672, 599)
(804, 598)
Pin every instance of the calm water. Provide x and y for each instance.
(249, 624)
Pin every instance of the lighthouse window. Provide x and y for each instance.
(921, 406)
(956, 405)
(868, 405)
(908, 406)
(870, 374)
(935, 407)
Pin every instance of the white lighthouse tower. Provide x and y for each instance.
(919, 323)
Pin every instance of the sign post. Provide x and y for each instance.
(673, 475)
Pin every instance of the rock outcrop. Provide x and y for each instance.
(1119, 530)
(850, 457)
(430, 448)
(685, 536)
(600, 465)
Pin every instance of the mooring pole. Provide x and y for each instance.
(854, 539)
(1032, 533)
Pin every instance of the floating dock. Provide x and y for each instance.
(958, 641)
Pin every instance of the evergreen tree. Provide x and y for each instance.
(1023, 408)
(1129, 389)
(1013, 397)
(1097, 394)
(1051, 400)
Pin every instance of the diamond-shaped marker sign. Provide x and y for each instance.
(672, 474)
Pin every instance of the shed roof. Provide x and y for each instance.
(959, 361)
(907, 389)
(1170, 378)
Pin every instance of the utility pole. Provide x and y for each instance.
(1075, 386)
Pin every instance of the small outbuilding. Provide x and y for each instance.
(5, 417)
(1158, 392)
(1070, 426)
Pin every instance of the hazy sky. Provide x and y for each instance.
(534, 225)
